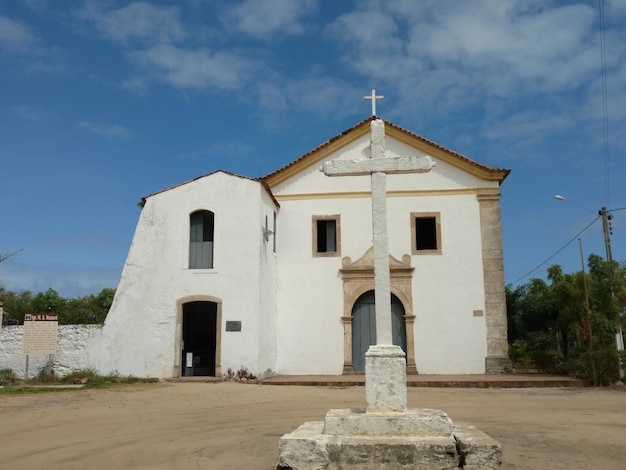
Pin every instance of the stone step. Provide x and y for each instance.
(435, 381)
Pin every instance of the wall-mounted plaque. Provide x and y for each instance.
(233, 326)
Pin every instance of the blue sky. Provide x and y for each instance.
(104, 102)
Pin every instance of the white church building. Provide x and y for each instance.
(275, 274)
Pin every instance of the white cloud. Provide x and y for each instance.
(322, 95)
(136, 84)
(33, 114)
(447, 56)
(535, 123)
(319, 94)
(263, 18)
(36, 5)
(224, 150)
(14, 36)
(614, 9)
(105, 130)
(496, 46)
(159, 45)
(370, 30)
(271, 96)
(138, 20)
(201, 68)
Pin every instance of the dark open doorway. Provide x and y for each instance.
(199, 338)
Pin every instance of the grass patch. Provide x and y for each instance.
(91, 379)
(46, 382)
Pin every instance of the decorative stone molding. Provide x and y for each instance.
(497, 360)
(176, 372)
(358, 278)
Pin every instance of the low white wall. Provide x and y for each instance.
(71, 355)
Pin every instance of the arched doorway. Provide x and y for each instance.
(358, 279)
(364, 327)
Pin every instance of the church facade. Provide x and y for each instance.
(275, 274)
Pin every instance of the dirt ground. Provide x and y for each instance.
(231, 425)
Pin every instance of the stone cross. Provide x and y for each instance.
(385, 366)
(378, 166)
(373, 98)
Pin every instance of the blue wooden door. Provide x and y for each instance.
(364, 327)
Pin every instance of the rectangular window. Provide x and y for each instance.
(425, 233)
(326, 235)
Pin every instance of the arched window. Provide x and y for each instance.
(201, 228)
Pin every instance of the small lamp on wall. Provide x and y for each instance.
(266, 231)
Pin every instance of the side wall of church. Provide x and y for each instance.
(141, 334)
(267, 282)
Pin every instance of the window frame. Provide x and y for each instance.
(326, 254)
(425, 215)
(203, 212)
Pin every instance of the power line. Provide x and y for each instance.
(605, 112)
(557, 252)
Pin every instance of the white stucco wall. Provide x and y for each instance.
(447, 287)
(267, 291)
(73, 341)
(139, 334)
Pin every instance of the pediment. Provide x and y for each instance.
(428, 147)
(365, 264)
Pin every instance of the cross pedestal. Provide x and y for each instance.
(385, 379)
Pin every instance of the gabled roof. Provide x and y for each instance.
(427, 146)
(257, 180)
(360, 129)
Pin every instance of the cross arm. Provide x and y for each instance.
(378, 165)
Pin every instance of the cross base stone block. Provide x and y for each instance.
(418, 439)
(412, 423)
(385, 379)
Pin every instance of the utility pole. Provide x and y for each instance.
(619, 338)
(606, 230)
(587, 319)
(606, 217)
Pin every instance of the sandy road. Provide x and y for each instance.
(230, 425)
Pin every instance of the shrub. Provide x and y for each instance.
(238, 375)
(6, 375)
(520, 356)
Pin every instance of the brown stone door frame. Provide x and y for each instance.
(178, 346)
(358, 278)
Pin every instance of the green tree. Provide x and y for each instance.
(532, 321)
(606, 287)
(80, 310)
(90, 308)
(570, 298)
(48, 302)
(102, 302)
(17, 304)
(553, 327)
